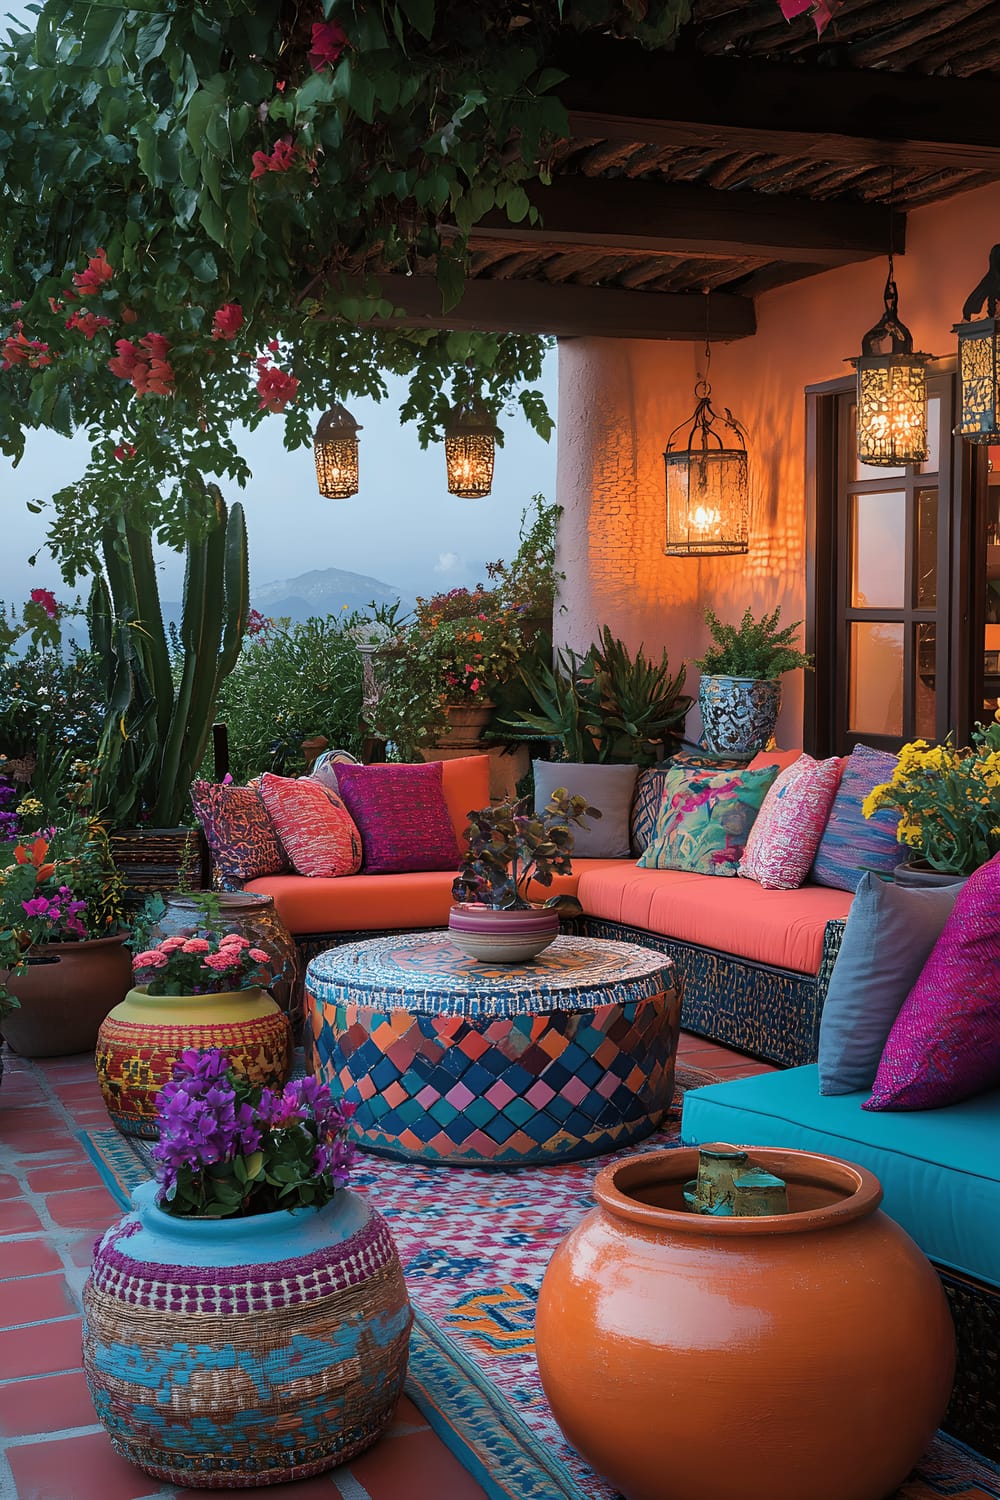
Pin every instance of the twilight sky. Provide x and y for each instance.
(403, 527)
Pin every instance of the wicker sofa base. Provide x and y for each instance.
(769, 1013)
(973, 1413)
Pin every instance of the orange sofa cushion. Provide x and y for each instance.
(465, 782)
(783, 929)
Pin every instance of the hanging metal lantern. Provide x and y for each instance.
(335, 444)
(892, 391)
(979, 360)
(708, 503)
(469, 446)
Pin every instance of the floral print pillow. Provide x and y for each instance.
(705, 818)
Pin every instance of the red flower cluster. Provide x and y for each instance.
(89, 282)
(227, 321)
(47, 599)
(17, 350)
(87, 322)
(275, 389)
(281, 159)
(144, 364)
(328, 41)
(124, 450)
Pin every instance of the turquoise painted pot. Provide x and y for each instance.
(245, 1352)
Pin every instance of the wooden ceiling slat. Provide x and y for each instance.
(908, 41)
(979, 30)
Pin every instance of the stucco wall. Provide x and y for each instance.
(619, 399)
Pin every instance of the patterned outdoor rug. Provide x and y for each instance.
(474, 1244)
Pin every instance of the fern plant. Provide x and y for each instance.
(754, 648)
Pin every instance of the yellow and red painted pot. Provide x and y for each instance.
(803, 1354)
(141, 1039)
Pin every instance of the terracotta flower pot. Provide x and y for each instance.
(142, 1038)
(65, 994)
(495, 937)
(244, 1352)
(774, 1358)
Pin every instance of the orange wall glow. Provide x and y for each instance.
(619, 399)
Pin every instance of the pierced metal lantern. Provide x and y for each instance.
(892, 391)
(708, 504)
(335, 444)
(979, 360)
(469, 446)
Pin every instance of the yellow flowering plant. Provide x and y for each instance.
(948, 798)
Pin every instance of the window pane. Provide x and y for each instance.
(927, 546)
(878, 541)
(875, 687)
(933, 460)
(925, 687)
(866, 471)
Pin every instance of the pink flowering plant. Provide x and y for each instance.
(229, 1148)
(202, 964)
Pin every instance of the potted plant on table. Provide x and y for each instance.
(204, 989)
(63, 963)
(740, 692)
(509, 848)
(247, 1262)
(949, 803)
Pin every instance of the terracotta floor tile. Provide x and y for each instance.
(62, 1175)
(34, 1298)
(46, 1404)
(320, 1487)
(415, 1467)
(408, 1415)
(81, 1250)
(27, 1258)
(84, 1088)
(42, 1350)
(18, 1217)
(59, 1143)
(9, 1187)
(77, 1468)
(83, 1208)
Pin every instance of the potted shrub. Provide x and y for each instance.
(203, 989)
(740, 692)
(509, 847)
(249, 1287)
(63, 964)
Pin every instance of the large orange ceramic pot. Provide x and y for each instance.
(691, 1357)
(65, 993)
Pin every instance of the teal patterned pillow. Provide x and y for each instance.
(649, 790)
(704, 819)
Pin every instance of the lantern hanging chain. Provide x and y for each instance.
(703, 386)
(891, 295)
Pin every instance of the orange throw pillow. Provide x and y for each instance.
(319, 834)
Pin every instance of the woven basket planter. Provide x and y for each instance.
(245, 1352)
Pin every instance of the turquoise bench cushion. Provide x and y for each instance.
(939, 1168)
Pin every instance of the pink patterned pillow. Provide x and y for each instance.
(783, 841)
(402, 815)
(945, 1043)
(313, 824)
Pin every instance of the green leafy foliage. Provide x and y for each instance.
(511, 845)
(263, 163)
(754, 648)
(604, 706)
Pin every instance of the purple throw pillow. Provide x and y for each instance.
(945, 1043)
(238, 830)
(852, 843)
(402, 816)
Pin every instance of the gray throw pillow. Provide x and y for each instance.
(606, 787)
(890, 932)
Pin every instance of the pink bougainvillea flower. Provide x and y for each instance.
(144, 365)
(822, 11)
(87, 322)
(18, 350)
(57, 306)
(124, 450)
(47, 599)
(328, 41)
(124, 362)
(155, 344)
(281, 158)
(275, 388)
(98, 272)
(257, 623)
(227, 321)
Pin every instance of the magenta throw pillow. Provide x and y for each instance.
(945, 1043)
(238, 829)
(402, 817)
(783, 841)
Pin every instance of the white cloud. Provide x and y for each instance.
(448, 562)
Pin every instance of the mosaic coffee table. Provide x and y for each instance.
(468, 1064)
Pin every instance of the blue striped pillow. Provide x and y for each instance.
(852, 843)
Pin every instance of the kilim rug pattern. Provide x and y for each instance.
(474, 1244)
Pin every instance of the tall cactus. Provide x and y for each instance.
(157, 723)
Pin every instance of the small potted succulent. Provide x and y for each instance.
(740, 692)
(510, 847)
(250, 1282)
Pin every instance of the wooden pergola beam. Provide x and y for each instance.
(501, 306)
(655, 218)
(617, 91)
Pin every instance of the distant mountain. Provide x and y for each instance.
(322, 592)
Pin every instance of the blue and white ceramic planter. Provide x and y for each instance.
(245, 1352)
(738, 714)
